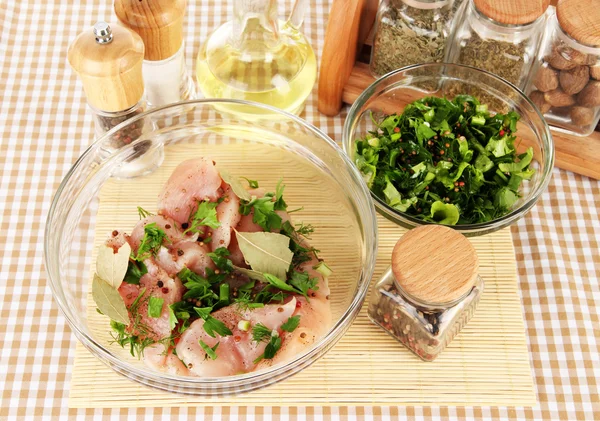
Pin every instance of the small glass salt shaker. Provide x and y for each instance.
(160, 25)
(430, 291)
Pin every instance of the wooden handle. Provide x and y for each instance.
(435, 264)
(111, 73)
(158, 22)
(339, 53)
(581, 20)
(512, 12)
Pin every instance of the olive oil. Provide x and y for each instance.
(257, 58)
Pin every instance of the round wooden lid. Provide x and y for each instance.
(435, 264)
(158, 22)
(581, 20)
(108, 59)
(512, 12)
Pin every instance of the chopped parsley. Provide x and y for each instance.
(151, 243)
(155, 305)
(212, 325)
(301, 252)
(135, 270)
(299, 283)
(205, 215)
(449, 162)
(252, 183)
(210, 352)
(291, 324)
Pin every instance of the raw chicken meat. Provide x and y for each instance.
(235, 353)
(192, 181)
(160, 358)
(228, 214)
(155, 283)
(191, 255)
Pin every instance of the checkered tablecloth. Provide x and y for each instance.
(44, 127)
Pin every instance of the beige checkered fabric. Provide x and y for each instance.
(44, 126)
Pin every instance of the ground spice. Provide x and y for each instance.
(408, 35)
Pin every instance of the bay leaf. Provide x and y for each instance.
(236, 185)
(266, 252)
(111, 266)
(109, 301)
(252, 274)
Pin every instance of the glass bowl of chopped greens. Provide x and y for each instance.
(292, 183)
(449, 144)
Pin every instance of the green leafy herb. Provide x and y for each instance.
(205, 215)
(151, 243)
(280, 204)
(135, 270)
(252, 183)
(291, 324)
(450, 162)
(210, 352)
(271, 349)
(302, 282)
(122, 337)
(302, 252)
(155, 305)
(172, 317)
(264, 212)
(143, 212)
(260, 333)
(212, 326)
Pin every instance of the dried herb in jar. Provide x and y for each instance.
(409, 35)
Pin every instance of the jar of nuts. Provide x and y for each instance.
(430, 291)
(565, 84)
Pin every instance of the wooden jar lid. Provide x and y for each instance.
(110, 69)
(435, 264)
(512, 12)
(158, 22)
(581, 20)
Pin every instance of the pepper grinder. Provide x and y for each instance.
(108, 60)
(160, 25)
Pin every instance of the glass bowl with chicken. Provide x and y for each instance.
(211, 255)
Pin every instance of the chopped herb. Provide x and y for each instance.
(454, 163)
(244, 325)
(122, 337)
(135, 270)
(155, 305)
(303, 282)
(172, 317)
(212, 325)
(323, 269)
(205, 215)
(291, 324)
(260, 333)
(280, 204)
(143, 213)
(151, 243)
(244, 302)
(210, 352)
(252, 183)
(271, 348)
(302, 253)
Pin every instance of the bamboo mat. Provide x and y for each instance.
(486, 364)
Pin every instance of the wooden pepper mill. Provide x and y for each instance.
(108, 60)
(160, 25)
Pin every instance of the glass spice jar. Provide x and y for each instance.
(565, 83)
(430, 291)
(500, 36)
(410, 32)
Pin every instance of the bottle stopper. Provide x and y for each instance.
(158, 22)
(435, 265)
(108, 60)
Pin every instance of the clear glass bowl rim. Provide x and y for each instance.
(251, 380)
(484, 227)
